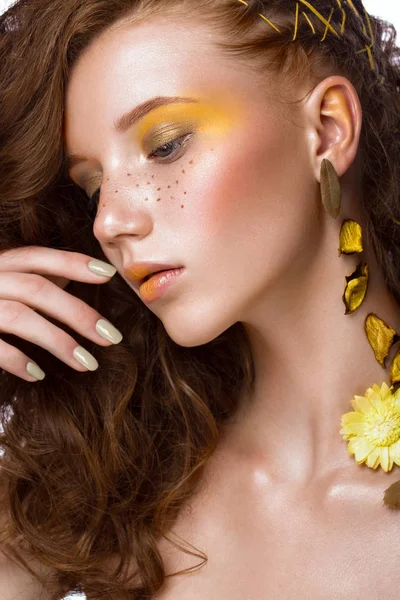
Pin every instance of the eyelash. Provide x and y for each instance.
(92, 205)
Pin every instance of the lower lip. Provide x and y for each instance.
(155, 287)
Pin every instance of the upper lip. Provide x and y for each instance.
(137, 271)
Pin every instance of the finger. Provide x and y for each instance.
(16, 362)
(20, 320)
(50, 261)
(40, 294)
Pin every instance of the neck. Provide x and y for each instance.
(310, 360)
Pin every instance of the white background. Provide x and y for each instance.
(386, 9)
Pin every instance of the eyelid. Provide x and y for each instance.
(165, 134)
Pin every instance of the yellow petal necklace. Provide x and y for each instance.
(372, 429)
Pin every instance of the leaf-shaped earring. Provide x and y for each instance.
(331, 192)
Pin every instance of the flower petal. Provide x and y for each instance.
(362, 404)
(385, 390)
(394, 451)
(352, 417)
(376, 401)
(353, 429)
(374, 458)
(360, 447)
(380, 336)
(385, 462)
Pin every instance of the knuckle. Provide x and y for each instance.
(11, 311)
(83, 313)
(35, 284)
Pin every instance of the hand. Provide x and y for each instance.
(33, 278)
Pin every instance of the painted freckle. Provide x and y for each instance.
(183, 170)
(176, 181)
(158, 189)
(181, 205)
(169, 187)
(148, 183)
(137, 185)
(158, 199)
(146, 198)
(152, 176)
(185, 193)
(128, 174)
(190, 162)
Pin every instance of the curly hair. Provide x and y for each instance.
(97, 465)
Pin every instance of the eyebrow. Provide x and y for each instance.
(130, 118)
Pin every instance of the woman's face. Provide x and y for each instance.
(221, 185)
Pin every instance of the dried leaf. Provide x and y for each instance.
(395, 369)
(380, 336)
(392, 495)
(356, 288)
(350, 238)
(331, 192)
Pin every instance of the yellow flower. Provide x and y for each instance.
(373, 428)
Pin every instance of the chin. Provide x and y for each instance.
(195, 330)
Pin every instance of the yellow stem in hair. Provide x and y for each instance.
(368, 49)
(262, 16)
(309, 21)
(350, 3)
(343, 21)
(317, 14)
(296, 24)
(326, 28)
(339, 4)
(369, 26)
(269, 23)
(371, 60)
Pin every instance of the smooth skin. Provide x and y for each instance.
(283, 512)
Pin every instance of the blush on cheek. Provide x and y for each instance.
(227, 190)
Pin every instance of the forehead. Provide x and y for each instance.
(128, 64)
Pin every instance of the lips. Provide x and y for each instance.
(154, 273)
(140, 272)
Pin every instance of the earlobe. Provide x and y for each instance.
(337, 120)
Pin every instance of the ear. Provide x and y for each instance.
(333, 120)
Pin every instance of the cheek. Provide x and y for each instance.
(254, 204)
(245, 182)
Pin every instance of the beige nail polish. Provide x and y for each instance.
(101, 268)
(108, 331)
(85, 358)
(35, 371)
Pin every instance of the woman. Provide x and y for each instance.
(238, 145)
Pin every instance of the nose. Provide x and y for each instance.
(121, 212)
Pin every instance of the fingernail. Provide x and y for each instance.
(102, 268)
(35, 371)
(108, 331)
(85, 358)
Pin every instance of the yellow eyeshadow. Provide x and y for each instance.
(211, 118)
